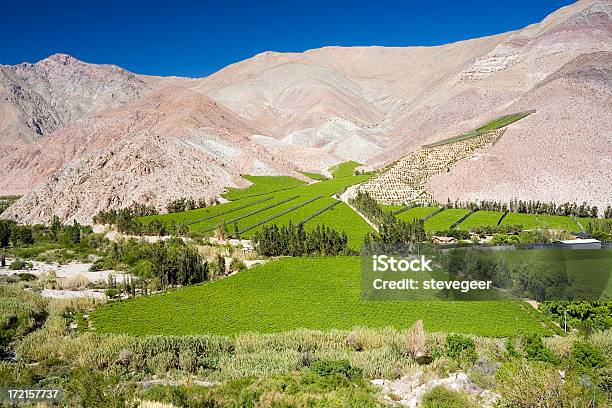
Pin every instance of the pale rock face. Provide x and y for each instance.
(278, 113)
(40, 98)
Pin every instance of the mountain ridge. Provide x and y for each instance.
(281, 113)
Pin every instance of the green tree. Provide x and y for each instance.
(21, 235)
(221, 230)
(56, 227)
(5, 237)
(74, 232)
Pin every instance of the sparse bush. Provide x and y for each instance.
(460, 347)
(26, 277)
(441, 397)
(79, 281)
(188, 360)
(162, 362)
(510, 348)
(524, 386)
(326, 368)
(412, 342)
(237, 265)
(19, 264)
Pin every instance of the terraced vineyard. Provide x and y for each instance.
(298, 215)
(533, 221)
(315, 293)
(494, 124)
(285, 202)
(416, 212)
(405, 181)
(343, 218)
(262, 185)
(480, 218)
(314, 176)
(444, 219)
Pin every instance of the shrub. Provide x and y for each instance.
(510, 348)
(78, 281)
(526, 385)
(412, 342)
(460, 347)
(441, 397)
(604, 380)
(326, 368)
(536, 351)
(237, 265)
(586, 355)
(18, 264)
(27, 277)
(162, 362)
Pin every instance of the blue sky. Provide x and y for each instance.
(197, 38)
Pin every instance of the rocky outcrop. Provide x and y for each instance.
(408, 390)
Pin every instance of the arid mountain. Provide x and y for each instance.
(64, 123)
(37, 99)
(561, 153)
(172, 143)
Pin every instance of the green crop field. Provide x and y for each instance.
(391, 207)
(243, 215)
(191, 216)
(342, 218)
(262, 185)
(248, 211)
(246, 222)
(480, 218)
(444, 219)
(533, 221)
(314, 293)
(416, 212)
(589, 269)
(295, 216)
(494, 124)
(344, 169)
(314, 176)
(585, 221)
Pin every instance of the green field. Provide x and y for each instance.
(494, 124)
(191, 216)
(314, 176)
(589, 269)
(343, 218)
(444, 219)
(251, 210)
(314, 293)
(295, 216)
(533, 221)
(345, 169)
(262, 185)
(391, 207)
(416, 212)
(480, 218)
(246, 222)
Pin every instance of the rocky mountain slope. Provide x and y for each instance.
(37, 99)
(172, 143)
(563, 152)
(64, 123)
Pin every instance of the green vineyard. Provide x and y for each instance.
(314, 293)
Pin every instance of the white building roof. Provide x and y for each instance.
(581, 241)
